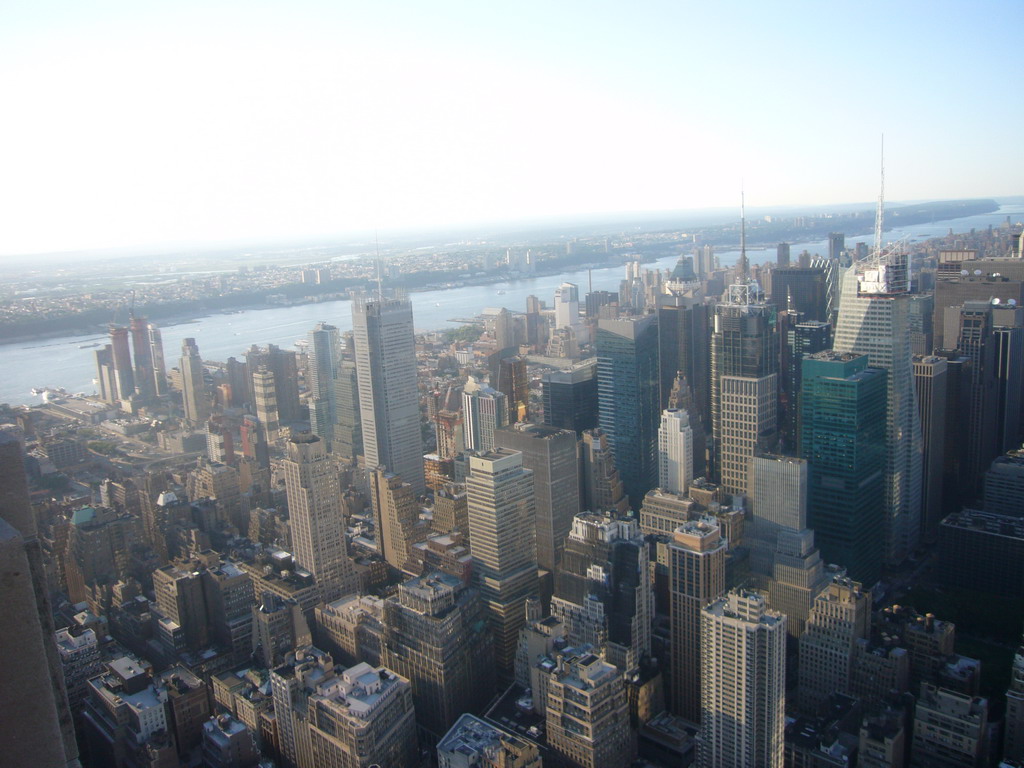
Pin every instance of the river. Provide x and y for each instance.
(62, 362)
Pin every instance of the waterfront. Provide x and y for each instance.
(62, 362)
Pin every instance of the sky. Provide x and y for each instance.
(141, 123)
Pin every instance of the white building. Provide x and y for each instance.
(675, 451)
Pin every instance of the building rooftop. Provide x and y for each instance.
(986, 522)
(471, 736)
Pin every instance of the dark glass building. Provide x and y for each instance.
(842, 436)
(570, 397)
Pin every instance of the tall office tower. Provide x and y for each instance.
(744, 384)
(36, 726)
(502, 532)
(388, 397)
(567, 305)
(324, 357)
(396, 511)
(953, 293)
(180, 600)
(743, 683)
(348, 428)
(683, 331)
(930, 382)
(450, 434)
(237, 374)
(873, 321)
(570, 397)
(1004, 485)
(922, 333)
(1013, 730)
(254, 441)
(675, 451)
(106, 377)
(595, 300)
(833, 285)
(681, 398)
(602, 590)
(587, 713)
(843, 439)
(143, 356)
(195, 401)
(514, 383)
(265, 402)
(798, 339)
(841, 616)
(1008, 326)
(481, 744)
(975, 341)
(122, 355)
(317, 521)
(484, 411)
(782, 255)
(601, 484)
(156, 353)
(836, 244)
(696, 577)
(550, 454)
(950, 728)
(435, 635)
(628, 384)
(802, 290)
(783, 554)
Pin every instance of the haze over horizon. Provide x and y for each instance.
(221, 122)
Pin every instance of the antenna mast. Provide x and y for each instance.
(880, 213)
(743, 235)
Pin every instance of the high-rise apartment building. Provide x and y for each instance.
(124, 376)
(388, 398)
(744, 384)
(317, 521)
(696, 577)
(602, 591)
(587, 713)
(675, 451)
(436, 637)
(743, 683)
(503, 541)
(874, 321)
(396, 511)
(628, 391)
(195, 401)
(265, 402)
(550, 454)
(841, 616)
(484, 411)
(842, 436)
(156, 350)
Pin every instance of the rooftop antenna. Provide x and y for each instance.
(380, 284)
(743, 235)
(880, 213)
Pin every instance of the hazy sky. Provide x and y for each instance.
(151, 122)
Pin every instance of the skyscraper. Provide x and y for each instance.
(873, 321)
(143, 355)
(123, 373)
(265, 402)
(550, 454)
(601, 484)
(930, 380)
(570, 397)
(696, 577)
(628, 392)
(675, 451)
(484, 411)
(503, 542)
(744, 383)
(195, 401)
(156, 350)
(567, 305)
(348, 427)
(396, 511)
(843, 439)
(283, 366)
(317, 522)
(683, 324)
(324, 357)
(388, 398)
(743, 683)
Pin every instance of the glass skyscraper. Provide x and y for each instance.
(628, 399)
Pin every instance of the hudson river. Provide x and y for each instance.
(61, 362)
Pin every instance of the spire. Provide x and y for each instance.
(880, 213)
(744, 266)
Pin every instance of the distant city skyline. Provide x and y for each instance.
(197, 122)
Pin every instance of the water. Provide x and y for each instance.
(60, 362)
